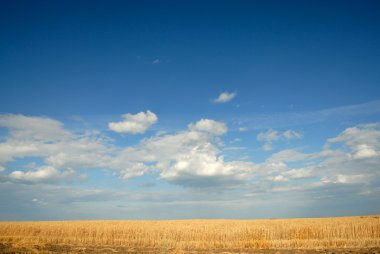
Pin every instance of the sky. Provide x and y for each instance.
(189, 109)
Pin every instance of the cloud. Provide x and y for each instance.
(271, 135)
(344, 171)
(268, 136)
(189, 158)
(133, 170)
(61, 150)
(156, 61)
(290, 134)
(186, 157)
(292, 155)
(300, 173)
(210, 126)
(365, 151)
(193, 158)
(43, 174)
(224, 97)
(36, 128)
(134, 124)
(351, 159)
(288, 119)
(202, 167)
(363, 140)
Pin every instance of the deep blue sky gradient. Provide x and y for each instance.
(95, 57)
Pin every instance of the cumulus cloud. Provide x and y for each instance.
(193, 157)
(186, 157)
(362, 140)
(203, 167)
(60, 150)
(189, 158)
(134, 124)
(351, 159)
(346, 168)
(210, 126)
(224, 97)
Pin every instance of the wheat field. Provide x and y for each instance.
(318, 233)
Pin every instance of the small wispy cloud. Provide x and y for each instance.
(156, 61)
(268, 136)
(290, 134)
(271, 135)
(288, 119)
(224, 97)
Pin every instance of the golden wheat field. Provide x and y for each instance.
(191, 236)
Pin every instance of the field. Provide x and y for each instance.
(320, 235)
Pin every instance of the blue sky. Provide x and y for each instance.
(177, 110)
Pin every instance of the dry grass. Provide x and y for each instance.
(344, 232)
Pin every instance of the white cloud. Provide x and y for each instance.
(300, 173)
(268, 136)
(134, 124)
(271, 136)
(189, 158)
(279, 178)
(44, 174)
(36, 128)
(210, 126)
(134, 170)
(350, 178)
(353, 162)
(365, 151)
(362, 140)
(203, 166)
(346, 168)
(224, 97)
(59, 149)
(193, 157)
(290, 134)
(185, 157)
